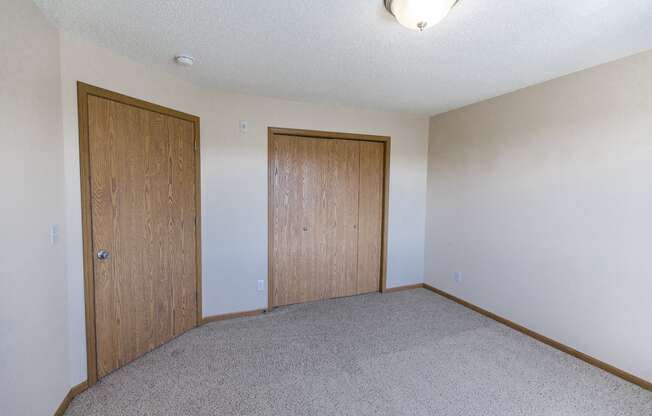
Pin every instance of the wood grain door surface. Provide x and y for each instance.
(327, 218)
(142, 182)
(372, 177)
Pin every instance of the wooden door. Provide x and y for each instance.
(371, 216)
(326, 211)
(142, 172)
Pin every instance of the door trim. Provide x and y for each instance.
(83, 92)
(317, 134)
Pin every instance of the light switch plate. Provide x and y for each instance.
(54, 234)
(244, 126)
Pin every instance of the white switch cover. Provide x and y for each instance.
(244, 127)
(261, 285)
(457, 276)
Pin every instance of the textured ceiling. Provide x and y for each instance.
(353, 52)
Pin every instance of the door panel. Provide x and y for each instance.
(288, 239)
(340, 210)
(299, 183)
(142, 183)
(316, 186)
(371, 216)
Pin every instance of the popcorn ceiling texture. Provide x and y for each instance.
(353, 52)
(405, 353)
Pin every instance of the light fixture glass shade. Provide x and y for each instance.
(419, 14)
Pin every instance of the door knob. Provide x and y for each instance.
(103, 254)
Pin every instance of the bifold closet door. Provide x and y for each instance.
(319, 230)
(142, 184)
(372, 173)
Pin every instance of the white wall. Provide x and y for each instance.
(234, 177)
(542, 198)
(33, 296)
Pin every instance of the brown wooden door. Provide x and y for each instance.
(142, 186)
(371, 216)
(319, 230)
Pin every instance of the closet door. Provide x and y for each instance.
(339, 219)
(297, 187)
(326, 217)
(372, 172)
(314, 214)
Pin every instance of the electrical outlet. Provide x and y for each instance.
(261, 285)
(457, 276)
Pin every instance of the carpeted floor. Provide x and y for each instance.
(406, 353)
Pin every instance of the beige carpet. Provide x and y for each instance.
(406, 353)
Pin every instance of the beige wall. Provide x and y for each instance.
(542, 199)
(234, 177)
(33, 296)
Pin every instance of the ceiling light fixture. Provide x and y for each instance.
(419, 14)
(185, 60)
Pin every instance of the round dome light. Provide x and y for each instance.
(419, 14)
